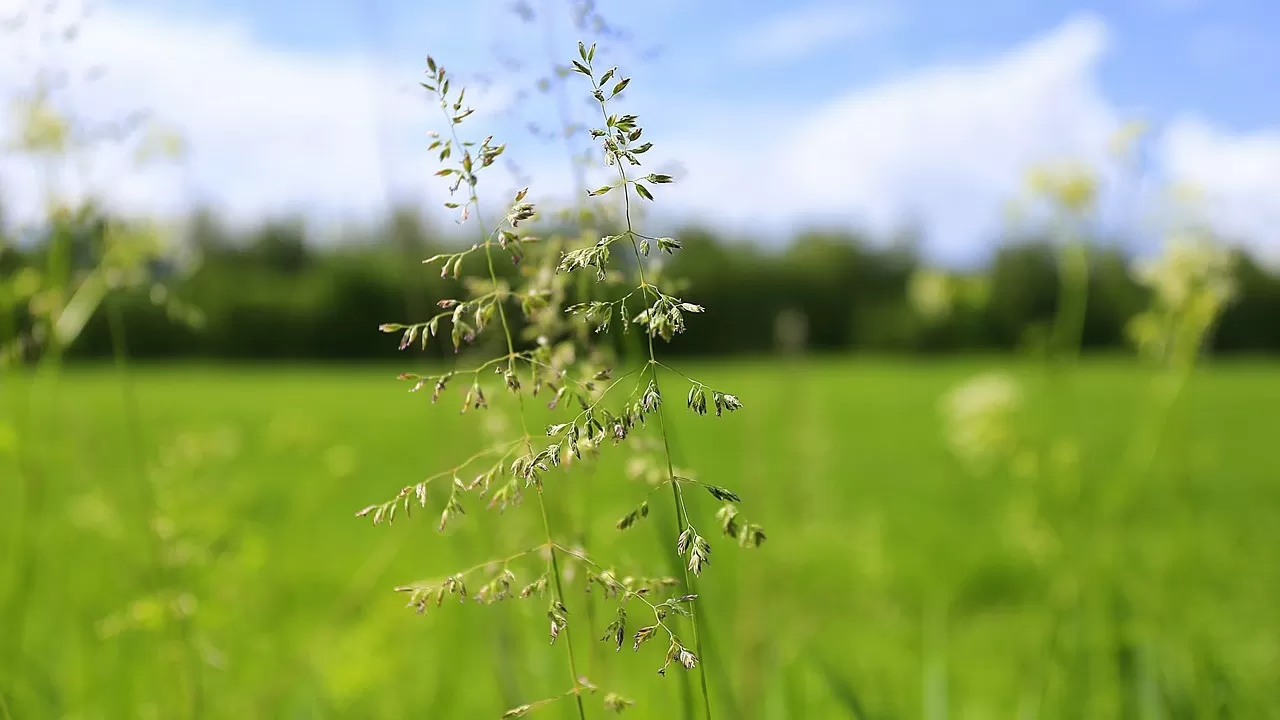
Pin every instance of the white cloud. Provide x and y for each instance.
(269, 131)
(811, 28)
(945, 146)
(1236, 176)
(274, 131)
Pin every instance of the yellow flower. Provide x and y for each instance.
(1072, 186)
(41, 129)
(1124, 140)
(931, 293)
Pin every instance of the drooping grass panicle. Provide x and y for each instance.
(571, 370)
(467, 318)
(659, 314)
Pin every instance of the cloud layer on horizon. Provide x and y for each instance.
(334, 135)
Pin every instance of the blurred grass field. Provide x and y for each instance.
(889, 586)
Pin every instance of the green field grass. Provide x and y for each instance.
(889, 587)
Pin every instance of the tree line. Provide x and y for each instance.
(273, 292)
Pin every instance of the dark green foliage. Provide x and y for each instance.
(269, 296)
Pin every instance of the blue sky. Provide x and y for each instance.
(869, 114)
(1214, 57)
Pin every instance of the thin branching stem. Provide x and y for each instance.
(591, 408)
(529, 707)
(657, 615)
(576, 381)
(504, 562)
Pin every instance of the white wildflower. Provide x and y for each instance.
(931, 293)
(1191, 284)
(981, 418)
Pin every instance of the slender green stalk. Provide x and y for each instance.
(1033, 698)
(17, 405)
(147, 494)
(1064, 351)
(1073, 299)
(584, 289)
(33, 493)
(720, 678)
(133, 429)
(934, 666)
(677, 496)
(553, 565)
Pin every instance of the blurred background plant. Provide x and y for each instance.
(1090, 525)
(75, 264)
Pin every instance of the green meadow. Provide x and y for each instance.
(181, 542)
